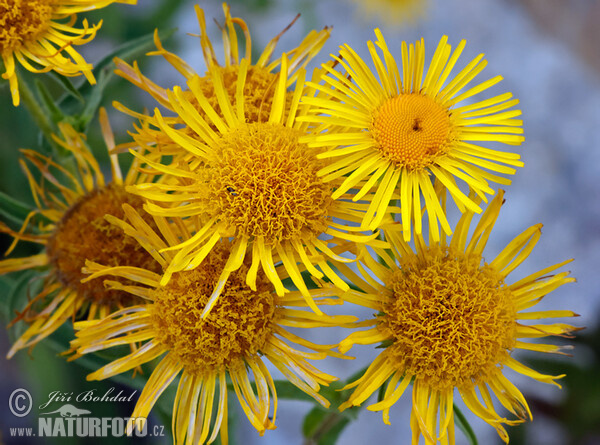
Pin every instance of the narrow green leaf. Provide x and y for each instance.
(55, 114)
(27, 283)
(323, 426)
(286, 390)
(12, 209)
(385, 344)
(381, 392)
(6, 285)
(104, 72)
(37, 112)
(92, 101)
(132, 49)
(67, 85)
(464, 426)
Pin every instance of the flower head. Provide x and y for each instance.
(255, 81)
(254, 182)
(236, 167)
(39, 33)
(449, 320)
(245, 328)
(70, 223)
(398, 132)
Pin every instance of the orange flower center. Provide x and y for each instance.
(411, 130)
(237, 326)
(451, 321)
(83, 234)
(22, 21)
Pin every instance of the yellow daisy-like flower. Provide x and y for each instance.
(405, 128)
(393, 12)
(38, 33)
(71, 226)
(257, 80)
(245, 327)
(253, 182)
(448, 320)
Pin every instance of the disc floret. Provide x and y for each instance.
(412, 130)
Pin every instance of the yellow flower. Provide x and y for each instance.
(38, 33)
(245, 327)
(448, 320)
(405, 128)
(71, 226)
(393, 12)
(253, 182)
(258, 78)
(237, 168)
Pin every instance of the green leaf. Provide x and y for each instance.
(104, 72)
(464, 426)
(286, 390)
(67, 85)
(331, 436)
(52, 110)
(385, 344)
(26, 284)
(37, 112)
(288, 283)
(323, 427)
(6, 285)
(12, 209)
(312, 421)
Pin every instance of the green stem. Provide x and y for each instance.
(330, 421)
(37, 114)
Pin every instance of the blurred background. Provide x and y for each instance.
(548, 53)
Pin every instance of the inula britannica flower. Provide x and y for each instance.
(69, 221)
(253, 182)
(449, 320)
(40, 35)
(398, 131)
(257, 79)
(245, 328)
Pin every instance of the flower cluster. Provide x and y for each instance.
(263, 193)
